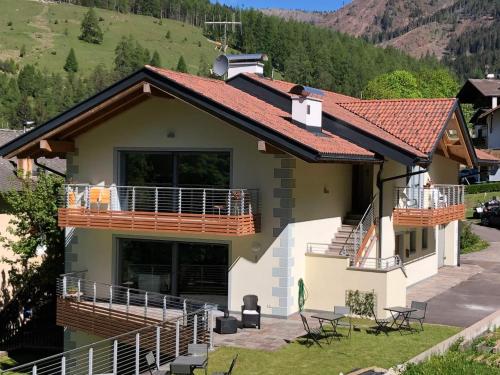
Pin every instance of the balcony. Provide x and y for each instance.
(428, 206)
(228, 212)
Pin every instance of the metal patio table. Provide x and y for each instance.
(403, 313)
(329, 317)
(186, 364)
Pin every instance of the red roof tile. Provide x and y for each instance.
(482, 155)
(416, 122)
(264, 113)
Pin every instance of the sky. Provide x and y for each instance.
(320, 5)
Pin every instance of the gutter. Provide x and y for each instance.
(48, 169)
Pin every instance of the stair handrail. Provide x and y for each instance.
(345, 251)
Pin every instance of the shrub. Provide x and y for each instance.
(9, 23)
(483, 188)
(360, 303)
(470, 241)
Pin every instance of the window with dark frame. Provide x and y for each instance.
(413, 242)
(425, 238)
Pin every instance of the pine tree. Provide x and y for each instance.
(71, 62)
(181, 65)
(91, 31)
(203, 67)
(156, 60)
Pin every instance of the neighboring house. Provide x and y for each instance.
(9, 181)
(484, 95)
(215, 189)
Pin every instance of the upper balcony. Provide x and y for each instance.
(228, 212)
(428, 206)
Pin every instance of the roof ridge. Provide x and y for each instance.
(361, 101)
(170, 71)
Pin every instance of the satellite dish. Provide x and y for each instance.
(221, 65)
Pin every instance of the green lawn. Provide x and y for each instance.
(471, 200)
(362, 350)
(49, 31)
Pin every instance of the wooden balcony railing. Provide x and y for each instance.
(232, 212)
(428, 206)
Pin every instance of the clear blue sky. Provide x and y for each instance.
(293, 4)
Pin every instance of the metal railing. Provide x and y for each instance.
(356, 237)
(383, 264)
(125, 353)
(136, 302)
(317, 248)
(203, 201)
(436, 196)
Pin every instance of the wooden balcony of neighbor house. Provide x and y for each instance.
(228, 212)
(428, 206)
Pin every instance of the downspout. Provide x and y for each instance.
(380, 185)
(48, 169)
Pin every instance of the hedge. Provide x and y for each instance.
(482, 188)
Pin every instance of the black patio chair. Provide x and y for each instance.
(312, 334)
(231, 367)
(418, 315)
(382, 324)
(345, 322)
(153, 366)
(250, 312)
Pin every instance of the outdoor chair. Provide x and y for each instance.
(382, 324)
(231, 367)
(418, 315)
(250, 312)
(153, 367)
(312, 334)
(199, 350)
(347, 323)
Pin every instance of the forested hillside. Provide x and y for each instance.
(461, 32)
(49, 65)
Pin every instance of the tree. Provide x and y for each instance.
(71, 62)
(397, 84)
(34, 228)
(203, 67)
(130, 56)
(156, 60)
(91, 31)
(28, 81)
(181, 65)
(22, 51)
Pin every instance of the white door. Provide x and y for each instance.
(441, 245)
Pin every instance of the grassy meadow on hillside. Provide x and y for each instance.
(49, 30)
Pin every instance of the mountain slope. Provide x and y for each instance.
(418, 27)
(49, 30)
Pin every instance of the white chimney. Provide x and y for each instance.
(307, 107)
(236, 64)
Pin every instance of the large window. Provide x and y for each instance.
(179, 268)
(181, 169)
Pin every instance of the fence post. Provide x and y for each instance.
(137, 352)
(156, 200)
(211, 328)
(65, 285)
(242, 202)
(158, 333)
(228, 202)
(110, 297)
(79, 290)
(33, 370)
(145, 305)
(184, 313)
(195, 329)
(204, 203)
(91, 360)
(115, 357)
(128, 300)
(133, 198)
(164, 308)
(95, 292)
(63, 365)
(177, 338)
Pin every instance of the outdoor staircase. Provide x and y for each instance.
(343, 235)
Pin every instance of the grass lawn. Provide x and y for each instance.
(362, 350)
(471, 200)
(49, 31)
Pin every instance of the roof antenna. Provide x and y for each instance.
(223, 44)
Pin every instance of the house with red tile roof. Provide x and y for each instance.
(483, 94)
(216, 189)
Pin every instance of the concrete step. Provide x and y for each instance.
(351, 222)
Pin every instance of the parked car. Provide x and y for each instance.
(491, 218)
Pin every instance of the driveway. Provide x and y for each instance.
(476, 297)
